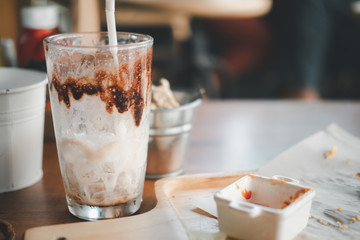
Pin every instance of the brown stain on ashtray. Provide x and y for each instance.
(293, 198)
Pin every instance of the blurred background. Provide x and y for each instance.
(250, 49)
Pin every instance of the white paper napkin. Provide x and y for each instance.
(335, 180)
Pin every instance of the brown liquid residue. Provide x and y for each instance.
(100, 201)
(110, 88)
(277, 181)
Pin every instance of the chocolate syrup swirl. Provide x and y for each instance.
(110, 88)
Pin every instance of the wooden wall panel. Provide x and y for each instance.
(9, 19)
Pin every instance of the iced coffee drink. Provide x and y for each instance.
(100, 99)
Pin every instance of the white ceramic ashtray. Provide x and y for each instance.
(256, 207)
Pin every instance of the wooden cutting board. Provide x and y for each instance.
(174, 217)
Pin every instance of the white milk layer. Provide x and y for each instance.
(102, 156)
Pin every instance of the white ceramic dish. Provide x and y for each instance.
(256, 207)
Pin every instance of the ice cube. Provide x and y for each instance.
(98, 198)
(95, 187)
(92, 189)
(86, 66)
(108, 168)
(76, 58)
(109, 152)
(109, 181)
(62, 63)
(72, 150)
(104, 60)
(70, 180)
(86, 173)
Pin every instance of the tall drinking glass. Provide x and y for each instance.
(100, 104)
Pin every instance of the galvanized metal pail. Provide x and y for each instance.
(22, 111)
(169, 138)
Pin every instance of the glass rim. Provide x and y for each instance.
(52, 40)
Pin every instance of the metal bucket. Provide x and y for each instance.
(169, 138)
(22, 111)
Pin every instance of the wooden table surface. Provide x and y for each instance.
(228, 136)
